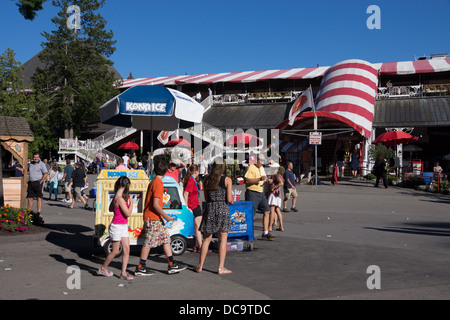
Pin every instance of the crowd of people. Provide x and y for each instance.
(264, 191)
(43, 175)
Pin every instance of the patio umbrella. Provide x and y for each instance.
(245, 139)
(153, 107)
(178, 142)
(129, 146)
(393, 138)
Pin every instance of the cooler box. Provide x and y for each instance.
(241, 213)
(235, 245)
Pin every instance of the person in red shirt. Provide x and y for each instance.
(174, 172)
(192, 198)
(156, 233)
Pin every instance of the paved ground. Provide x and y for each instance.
(324, 253)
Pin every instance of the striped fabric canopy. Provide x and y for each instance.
(389, 68)
(347, 93)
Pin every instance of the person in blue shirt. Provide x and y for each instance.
(290, 192)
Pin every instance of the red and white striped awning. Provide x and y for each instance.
(388, 68)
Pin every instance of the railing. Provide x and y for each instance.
(112, 136)
(88, 149)
(238, 98)
(398, 92)
(413, 91)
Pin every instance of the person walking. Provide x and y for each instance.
(156, 233)
(274, 199)
(218, 192)
(289, 186)
(254, 180)
(379, 170)
(122, 206)
(191, 193)
(78, 182)
(53, 182)
(68, 170)
(37, 173)
(355, 163)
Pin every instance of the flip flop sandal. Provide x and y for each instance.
(224, 271)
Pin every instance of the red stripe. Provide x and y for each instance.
(216, 79)
(196, 78)
(422, 66)
(273, 74)
(353, 65)
(301, 74)
(348, 92)
(340, 118)
(243, 77)
(389, 68)
(351, 77)
(348, 107)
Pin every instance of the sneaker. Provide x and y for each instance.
(106, 273)
(176, 267)
(126, 277)
(294, 209)
(286, 210)
(267, 237)
(143, 271)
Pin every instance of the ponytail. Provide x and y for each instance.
(191, 170)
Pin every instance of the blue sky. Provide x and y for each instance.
(168, 38)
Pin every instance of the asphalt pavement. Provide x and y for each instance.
(327, 251)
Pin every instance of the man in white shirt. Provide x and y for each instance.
(125, 159)
(203, 168)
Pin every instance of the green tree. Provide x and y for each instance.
(76, 79)
(29, 8)
(375, 150)
(17, 101)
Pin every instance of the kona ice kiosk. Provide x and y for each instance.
(181, 228)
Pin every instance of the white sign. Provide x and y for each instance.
(315, 138)
(74, 21)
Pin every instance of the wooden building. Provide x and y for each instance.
(15, 134)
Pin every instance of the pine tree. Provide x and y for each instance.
(17, 101)
(29, 8)
(76, 79)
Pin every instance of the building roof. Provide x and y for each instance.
(388, 68)
(15, 128)
(31, 65)
(258, 116)
(414, 112)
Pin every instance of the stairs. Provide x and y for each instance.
(88, 149)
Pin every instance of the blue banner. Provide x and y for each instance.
(147, 101)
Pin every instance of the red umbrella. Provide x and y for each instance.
(178, 142)
(129, 146)
(245, 139)
(393, 138)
